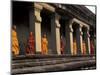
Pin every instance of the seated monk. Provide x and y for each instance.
(62, 45)
(15, 44)
(44, 45)
(30, 49)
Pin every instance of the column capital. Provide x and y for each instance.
(88, 28)
(81, 33)
(87, 31)
(81, 25)
(38, 6)
(80, 29)
(37, 11)
(88, 34)
(70, 28)
(57, 24)
(56, 17)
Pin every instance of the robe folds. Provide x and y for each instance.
(30, 49)
(44, 45)
(15, 44)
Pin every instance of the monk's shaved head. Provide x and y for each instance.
(44, 35)
(14, 26)
(31, 33)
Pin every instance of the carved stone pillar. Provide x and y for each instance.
(69, 38)
(87, 40)
(35, 25)
(38, 19)
(55, 31)
(79, 39)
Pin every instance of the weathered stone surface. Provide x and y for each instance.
(50, 63)
(55, 67)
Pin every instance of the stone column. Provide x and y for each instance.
(35, 25)
(55, 32)
(79, 39)
(87, 40)
(69, 38)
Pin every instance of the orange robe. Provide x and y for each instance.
(74, 48)
(44, 46)
(84, 48)
(15, 45)
(30, 49)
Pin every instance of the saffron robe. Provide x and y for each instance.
(74, 48)
(30, 49)
(15, 44)
(84, 48)
(44, 46)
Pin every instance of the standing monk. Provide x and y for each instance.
(44, 45)
(62, 45)
(74, 47)
(84, 48)
(15, 44)
(30, 44)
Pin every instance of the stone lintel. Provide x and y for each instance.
(38, 6)
(48, 7)
(80, 22)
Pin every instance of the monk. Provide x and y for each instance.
(44, 45)
(84, 48)
(30, 49)
(74, 47)
(15, 44)
(62, 45)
